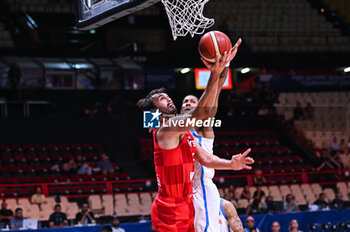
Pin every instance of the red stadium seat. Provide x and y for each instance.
(7, 158)
(67, 156)
(56, 157)
(13, 180)
(63, 190)
(100, 188)
(76, 190)
(76, 178)
(10, 193)
(24, 192)
(88, 189)
(51, 179)
(64, 179)
(16, 170)
(39, 179)
(19, 158)
(26, 180)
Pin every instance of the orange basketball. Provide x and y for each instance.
(213, 42)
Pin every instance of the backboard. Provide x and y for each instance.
(95, 13)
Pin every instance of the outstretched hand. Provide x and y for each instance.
(222, 61)
(240, 161)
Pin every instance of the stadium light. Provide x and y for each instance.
(185, 70)
(245, 70)
(347, 69)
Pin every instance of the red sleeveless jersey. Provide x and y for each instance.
(172, 209)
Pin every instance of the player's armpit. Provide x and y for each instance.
(232, 216)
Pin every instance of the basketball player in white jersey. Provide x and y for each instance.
(228, 218)
(206, 197)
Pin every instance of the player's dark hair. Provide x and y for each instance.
(18, 209)
(192, 96)
(57, 205)
(147, 102)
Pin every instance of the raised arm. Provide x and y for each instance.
(222, 79)
(237, 162)
(210, 95)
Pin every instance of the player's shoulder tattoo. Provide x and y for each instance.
(229, 209)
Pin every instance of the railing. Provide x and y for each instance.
(322, 177)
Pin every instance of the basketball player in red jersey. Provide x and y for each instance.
(175, 150)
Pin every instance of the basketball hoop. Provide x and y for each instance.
(186, 16)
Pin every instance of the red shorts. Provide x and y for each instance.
(172, 215)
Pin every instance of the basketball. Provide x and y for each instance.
(213, 42)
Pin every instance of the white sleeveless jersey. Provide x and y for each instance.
(201, 171)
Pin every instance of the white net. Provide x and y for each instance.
(186, 16)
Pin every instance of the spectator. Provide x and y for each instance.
(115, 226)
(246, 193)
(105, 165)
(263, 110)
(5, 215)
(70, 167)
(14, 79)
(342, 146)
(230, 112)
(85, 216)
(290, 204)
(254, 207)
(338, 202)
(298, 113)
(16, 222)
(276, 227)
(294, 226)
(85, 169)
(229, 196)
(58, 219)
(334, 146)
(309, 112)
(258, 178)
(86, 112)
(232, 193)
(232, 189)
(106, 229)
(79, 161)
(269, 206)
(321, 201)
(348, 146)
(250, 224)
(259, 193)
(38, 197)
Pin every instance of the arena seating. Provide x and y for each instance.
(288, 26)
(140, 203)
(331, 115)
(272, 155)
(43, 164)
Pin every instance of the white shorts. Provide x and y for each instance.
(206, 202)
